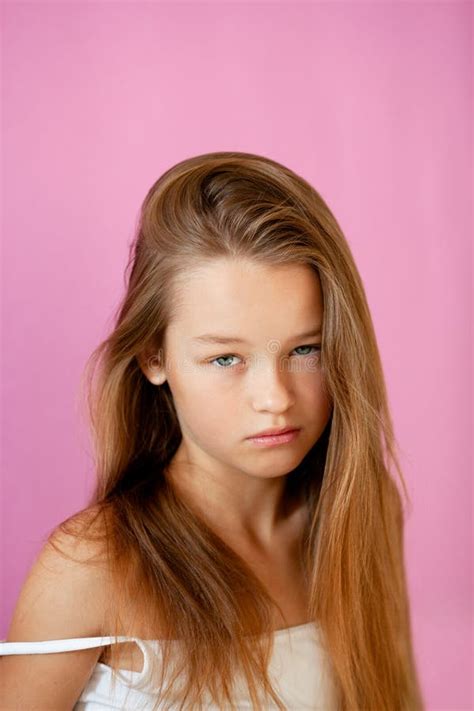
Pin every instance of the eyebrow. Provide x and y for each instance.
(224, 340)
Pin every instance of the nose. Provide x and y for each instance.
(271, 388)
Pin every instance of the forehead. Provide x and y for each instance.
(244, 298)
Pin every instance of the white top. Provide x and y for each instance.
(298, 670)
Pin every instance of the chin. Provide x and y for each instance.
(273, 470)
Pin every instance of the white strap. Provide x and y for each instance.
(60, 645)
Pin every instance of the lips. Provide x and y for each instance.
(273, 431)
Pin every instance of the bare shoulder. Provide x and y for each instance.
(70, 568)
(63, 596)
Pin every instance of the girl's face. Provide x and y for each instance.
(267, 373)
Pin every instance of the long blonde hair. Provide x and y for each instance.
(192, 587)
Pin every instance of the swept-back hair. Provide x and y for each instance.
(196, 594)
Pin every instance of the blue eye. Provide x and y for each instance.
(315, 348)
(228, 356)
(223, 357)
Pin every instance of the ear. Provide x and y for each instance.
(152, 366)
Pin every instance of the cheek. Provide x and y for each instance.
(208, 422)
(202, 403)
(313, 398)
(311, 387)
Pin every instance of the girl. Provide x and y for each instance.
(245, 533)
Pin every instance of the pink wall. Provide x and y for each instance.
(371, 103)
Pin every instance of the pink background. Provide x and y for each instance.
(371, 102)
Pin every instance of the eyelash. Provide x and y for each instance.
(314, 346)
